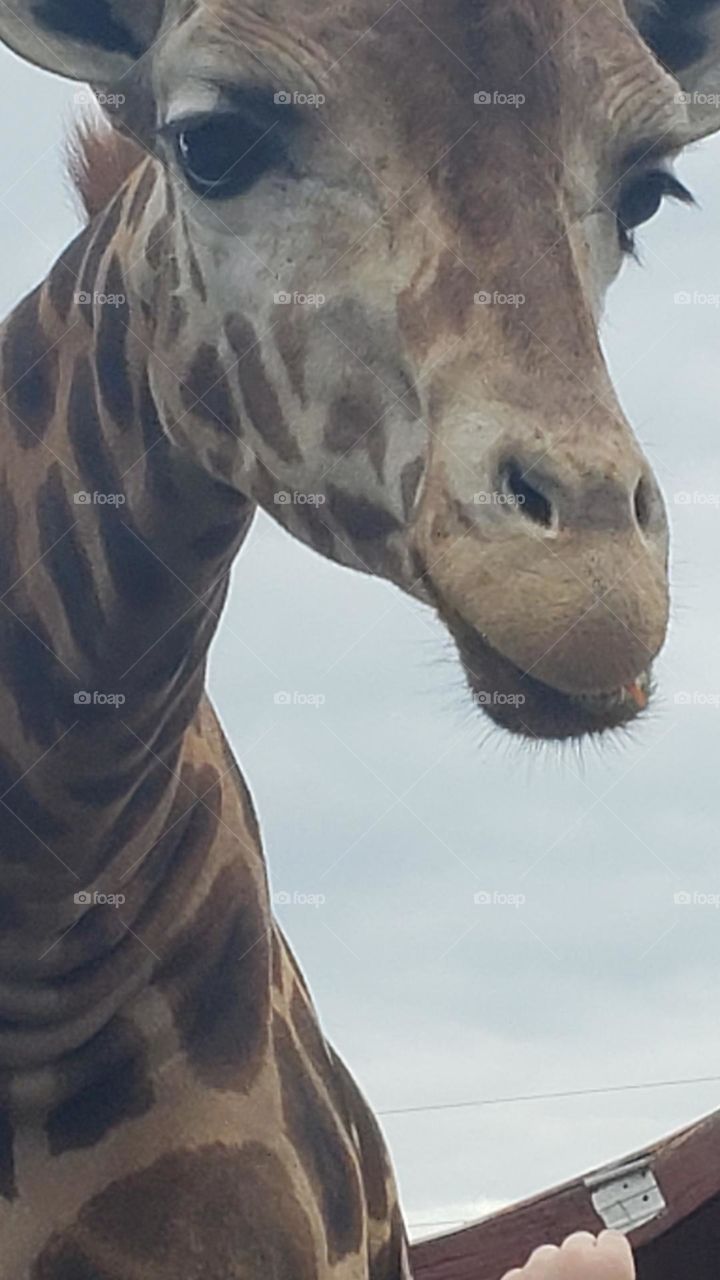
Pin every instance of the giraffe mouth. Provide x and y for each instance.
(521, 704)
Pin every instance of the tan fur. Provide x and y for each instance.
(100, 161)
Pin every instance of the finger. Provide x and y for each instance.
(605, 1257)
(542, 1263)
(616, 1248)
(580, 1243)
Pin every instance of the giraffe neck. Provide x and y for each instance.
(113, 773)
(158, 1047)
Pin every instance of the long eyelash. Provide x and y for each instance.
(672, 189)
(676, 190)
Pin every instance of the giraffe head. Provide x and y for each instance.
(371, 247)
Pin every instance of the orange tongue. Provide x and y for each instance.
(638, 694)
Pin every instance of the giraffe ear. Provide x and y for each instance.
(685, 37)
(95, 40)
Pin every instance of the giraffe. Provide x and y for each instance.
(311, 281)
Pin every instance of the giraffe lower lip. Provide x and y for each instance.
(519, 703)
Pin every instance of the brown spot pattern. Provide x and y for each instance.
(104, 231)
(315, 1046)
(362, 520)
(63, 281)
(141, 195)
(215, 1212)
(205, 390)
(29, 372)
(322, 1149)
(111, 355)
(373, 1159)
(67, 559)
(177, 318)
(357, 420)
(261, 402)
(158, 248)
(123, 1094)
(219, 980)
(387, 1264)
(8, 1188)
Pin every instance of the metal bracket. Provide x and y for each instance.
(626, 1196)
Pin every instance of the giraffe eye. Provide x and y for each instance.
(226, 154)
(640, 199)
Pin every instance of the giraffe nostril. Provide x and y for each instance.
(529, 500)
(643, 503)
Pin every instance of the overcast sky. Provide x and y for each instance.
(392, 802)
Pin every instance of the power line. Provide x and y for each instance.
(447, 1222)
(550, 1097)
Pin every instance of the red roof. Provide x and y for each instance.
(676, 1182)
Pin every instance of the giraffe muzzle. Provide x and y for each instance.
(553, 582)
